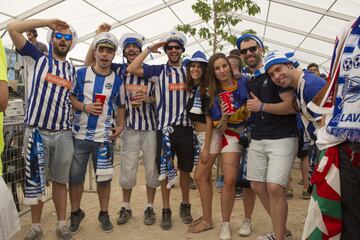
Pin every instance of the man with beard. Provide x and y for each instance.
(48, 138)
(174, 135)
(274, 144)
(32, 37)
(139, 134)
(96, 92)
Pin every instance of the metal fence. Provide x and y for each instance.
(14, 164)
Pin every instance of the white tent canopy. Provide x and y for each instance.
(305, 26)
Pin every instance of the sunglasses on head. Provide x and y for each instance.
(67, 37)
(177, 47)
(251, 49)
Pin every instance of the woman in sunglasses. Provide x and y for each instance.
(228, 97)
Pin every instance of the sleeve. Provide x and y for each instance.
(215, 111)
(310, 92)
(3, 65)
(31, 51)
(152, 71)
(120, 98)
(79, 82)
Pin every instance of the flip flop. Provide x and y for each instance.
(195, 222)
(208, 226)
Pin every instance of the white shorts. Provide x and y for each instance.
(226, 142)
(270, 160)
(132, 141)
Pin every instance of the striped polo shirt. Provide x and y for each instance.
(170, 93)
(308, 86)
(49, 104)
(143, 117)
(88, 84)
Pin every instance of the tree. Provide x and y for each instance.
(223, 15)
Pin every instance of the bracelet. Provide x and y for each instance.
(262, 107)
(148, 50)
(84, 108)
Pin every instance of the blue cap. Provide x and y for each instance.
(278, 57)
(131, 38)
(249, 36)
(198, 56)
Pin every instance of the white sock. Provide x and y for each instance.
(36, 226)
(151, 205)
(126, 205)
(61, 223)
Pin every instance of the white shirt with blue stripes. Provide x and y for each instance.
(49, 105)
(143, 117)
(171, 94)
(88, 84)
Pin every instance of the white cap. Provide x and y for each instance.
(174, 36)
(131, 38)
(105, 39)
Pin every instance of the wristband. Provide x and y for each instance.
(262, 107)
(84, 108)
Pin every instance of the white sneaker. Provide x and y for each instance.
(271, 236)
(245, 229)
(225, 233)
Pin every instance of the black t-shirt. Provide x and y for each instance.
(205, 106)
(267, 125)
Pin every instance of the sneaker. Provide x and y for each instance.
(166, 223)
(238, 193)
(185, 213)
(34, 234)
(306, 195)
(245, 229)
(219, 182)
(149, 216)
(63, 233)
(225, 233)
(75, 220)
(271, 236)
(106, 225)
(125, 215)
(192, 184)
(289, 194)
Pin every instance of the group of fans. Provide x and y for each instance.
(192, 111)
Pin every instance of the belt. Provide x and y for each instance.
(48, 130)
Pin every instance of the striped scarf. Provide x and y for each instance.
(167, 168)
(104, 165)
(323, 220)
(34, 169)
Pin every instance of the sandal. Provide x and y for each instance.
(208, 226)
(196, 222)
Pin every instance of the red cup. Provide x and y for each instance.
(100, 98)
(227, 97)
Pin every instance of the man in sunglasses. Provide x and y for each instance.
(48, 139)
(274, 144)
(139, 134)
(173, 124)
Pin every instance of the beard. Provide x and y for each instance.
(59, 52)
(255, 63)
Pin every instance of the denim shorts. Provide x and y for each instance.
(82, 151)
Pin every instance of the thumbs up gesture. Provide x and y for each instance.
(253, 104)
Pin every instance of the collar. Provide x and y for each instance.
(258, 72)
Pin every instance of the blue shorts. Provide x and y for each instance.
(82, 151)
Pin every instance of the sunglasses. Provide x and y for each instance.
(67, 37)
(173, 47)
(251, 49)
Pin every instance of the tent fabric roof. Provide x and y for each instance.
(305, 26)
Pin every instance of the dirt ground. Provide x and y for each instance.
(135, 229)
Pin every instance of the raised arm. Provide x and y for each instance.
(135, 66)
(17, 28)
(90, 59)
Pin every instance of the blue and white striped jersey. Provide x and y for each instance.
(143, 117)
(308, 86)
(49, 105)
(171, 94)
(88, 84)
